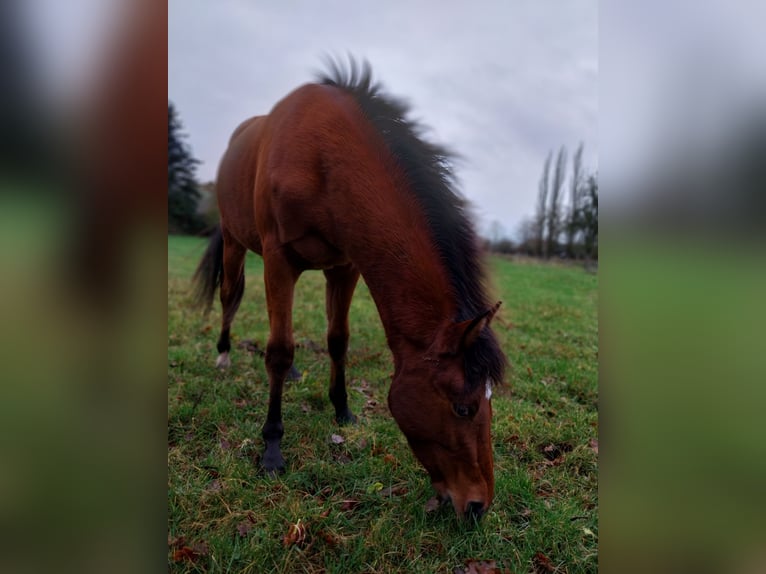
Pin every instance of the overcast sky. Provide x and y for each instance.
(501, 82)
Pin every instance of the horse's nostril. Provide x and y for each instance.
(475, 509)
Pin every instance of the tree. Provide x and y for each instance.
(553, 210)
(575, 191)
(542, 204)
(528, 237)
(587, 217)
(183, 190)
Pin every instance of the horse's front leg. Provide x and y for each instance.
(341, 282)
(280, 277)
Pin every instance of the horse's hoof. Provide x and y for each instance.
(223, 361)
(346, 418)
(272, 462)
(274, 468)
(294, 374)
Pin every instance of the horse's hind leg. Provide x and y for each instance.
(341, 282)
(232, 289)
(280, 277)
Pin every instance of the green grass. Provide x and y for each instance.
(361, 503)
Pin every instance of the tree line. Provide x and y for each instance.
(565, 222)
(183, 189)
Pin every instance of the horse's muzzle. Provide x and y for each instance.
(475, 510)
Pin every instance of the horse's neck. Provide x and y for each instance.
(407, 280)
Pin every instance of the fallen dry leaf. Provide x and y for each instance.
(434, 503)
(244, 528)
(480, 567)
(191, 553)
(346, 505)
(341, 458)
(251, 347)
(390, 459)
(542, 563)
(329, 538)
(296, 534)
(396, 490)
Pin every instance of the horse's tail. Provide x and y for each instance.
(209, 273)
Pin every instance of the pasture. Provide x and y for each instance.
(354, 498)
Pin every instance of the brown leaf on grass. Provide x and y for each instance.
(554, 451)
(390, 459)
(348, 505)
(330, 538)
(251, 347)
(296, 534)
(312, 346)
(211, 470)
(555, 462)
(341, 458)
(191, 553)
(541, 564)
(397, 490)
(362, 387)
(244, 528)
(480, 567)
(433, 504)
(545, 489)
(594, 445)
(370, 405)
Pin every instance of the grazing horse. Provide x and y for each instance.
(337, 177)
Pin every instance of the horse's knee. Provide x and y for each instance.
(337, 344)
(279, 357)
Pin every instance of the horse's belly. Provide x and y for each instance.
(317, 253)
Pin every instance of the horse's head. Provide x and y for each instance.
(446, 418)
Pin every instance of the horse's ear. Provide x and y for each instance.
(460, 336)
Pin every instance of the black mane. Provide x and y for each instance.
(427, 167)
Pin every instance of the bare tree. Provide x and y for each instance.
(528, 236)
(588, 217)
(542, 204)
(553, 210)
(575, 192)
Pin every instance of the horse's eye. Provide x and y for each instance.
(461, 410)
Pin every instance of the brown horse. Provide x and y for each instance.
(338, 178)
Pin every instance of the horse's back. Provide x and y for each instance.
(280, 179)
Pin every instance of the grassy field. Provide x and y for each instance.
(358, 505)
